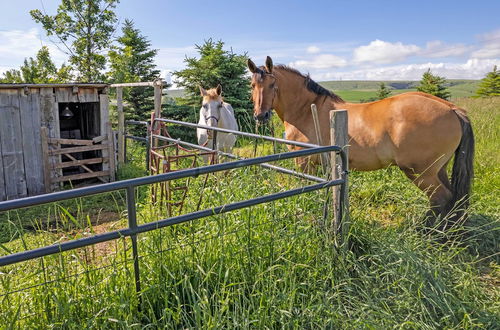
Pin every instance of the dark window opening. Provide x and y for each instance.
(80, 121)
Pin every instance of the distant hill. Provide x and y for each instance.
(361, 90)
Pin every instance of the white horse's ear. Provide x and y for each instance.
(251, 66)
(219, 89)
(203, 92)
(269, 64)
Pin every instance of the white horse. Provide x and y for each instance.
(216, 113)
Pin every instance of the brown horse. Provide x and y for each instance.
(415, 131)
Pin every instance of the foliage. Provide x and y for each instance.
(383, 91)
(434, 85)
(272, 265)
(40, 70)
(84, 29)
(216, 66)
(490, 85)
(133, 61)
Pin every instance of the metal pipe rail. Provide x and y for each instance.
(224, 130)
(233, 156)
(134, 230)
(191, 172)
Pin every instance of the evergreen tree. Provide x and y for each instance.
(216, 66)
(490, 85)
(383, 91)
(84, 28)
(133, 61)
(40, 70)
(433, 85)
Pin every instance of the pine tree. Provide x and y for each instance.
(490, 85)
(433, 85)
(84, 28)
(133, 61)
(39, 70)
(383, 91)
(216, 66)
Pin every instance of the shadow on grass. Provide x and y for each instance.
(482, 233)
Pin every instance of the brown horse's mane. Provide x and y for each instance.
(311, 85)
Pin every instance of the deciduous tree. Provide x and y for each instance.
(39, 70)
(84, 29)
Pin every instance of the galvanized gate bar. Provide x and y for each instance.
(107, 187)
(233, 156)
(99, 238)
(225, 130)
(132, 224)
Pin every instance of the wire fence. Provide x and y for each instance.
(178, 235)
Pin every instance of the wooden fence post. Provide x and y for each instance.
(121, 125)
(111, 146)
(44, 133)
(158, 86)
(339, 137)
(324, 158)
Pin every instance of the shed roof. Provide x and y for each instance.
(80, 85)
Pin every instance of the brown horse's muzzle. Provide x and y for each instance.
(263, 117)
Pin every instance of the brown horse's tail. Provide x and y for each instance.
(462, 172)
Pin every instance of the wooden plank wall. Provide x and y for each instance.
(12, 144)
(32, 146)
(104, 120)
(22, 114)
(49, 117)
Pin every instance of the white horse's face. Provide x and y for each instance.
(210, 110)
(211, 107)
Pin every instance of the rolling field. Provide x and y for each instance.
(355, 91)
(270, 266)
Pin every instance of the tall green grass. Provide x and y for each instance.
(274, 265)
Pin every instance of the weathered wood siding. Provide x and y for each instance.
(12, 144)
(49, 117)
(24, 166)
(32, 146)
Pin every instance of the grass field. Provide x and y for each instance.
(270, 266)
(354, 91)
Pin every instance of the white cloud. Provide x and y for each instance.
(490, 47)
(383, 52)
(323, 61)
(313, 49)
(438, 49)
(16, 45)
(471, 69)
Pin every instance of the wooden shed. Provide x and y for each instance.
(51, 134)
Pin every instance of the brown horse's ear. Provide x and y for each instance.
(219, 89)
(251, 66)
(203, 92)
(269, 65)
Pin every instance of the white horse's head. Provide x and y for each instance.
(211, 106)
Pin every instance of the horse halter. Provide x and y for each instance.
(213, 117)
(275, 88)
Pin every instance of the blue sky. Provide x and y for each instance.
(332, 40)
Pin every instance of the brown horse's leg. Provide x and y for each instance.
(443, 177)
(436, 188)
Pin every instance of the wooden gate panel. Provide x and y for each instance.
(12, 144)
